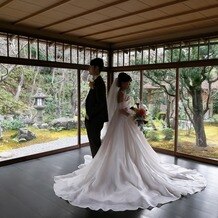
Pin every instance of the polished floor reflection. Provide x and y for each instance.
(26, 191)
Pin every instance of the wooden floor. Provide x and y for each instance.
(26, 191)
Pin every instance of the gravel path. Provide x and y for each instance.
(42, 147)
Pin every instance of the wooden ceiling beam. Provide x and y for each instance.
(127, 15)
(153, 20)
(42, 11)
(84, 13)
(24, 30)
(161, 27)
(204, 33)
(5, 3)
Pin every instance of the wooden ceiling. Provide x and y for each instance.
(119, 23)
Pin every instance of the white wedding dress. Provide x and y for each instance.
(126, 173)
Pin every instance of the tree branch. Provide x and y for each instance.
(159, 84)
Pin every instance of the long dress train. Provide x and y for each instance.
(126, 173)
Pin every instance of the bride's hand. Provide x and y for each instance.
(124, 112)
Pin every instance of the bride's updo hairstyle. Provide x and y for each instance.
(123, 77)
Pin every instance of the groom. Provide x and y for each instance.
(96, 106)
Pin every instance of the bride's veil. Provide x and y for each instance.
(111, 104)
(112, 99)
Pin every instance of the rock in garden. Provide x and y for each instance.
(25, 134)
(64, 123)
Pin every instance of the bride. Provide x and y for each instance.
(126, 173)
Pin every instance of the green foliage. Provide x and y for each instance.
(12, 125)
(58, 84)
(56, 129)
(33, 51)
(7, 103)
(168, 133)
(161, 115)
(153, 135)
(191, 78)
(215, 103)
(175, 53)
(135, 85)
(215, 118)
(50, 109)
(46, 71)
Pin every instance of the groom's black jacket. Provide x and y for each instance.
(96, 103)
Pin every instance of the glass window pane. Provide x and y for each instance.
(74, 54)
(203, 52)
(184, 53)
(99, 54)
(51, 51)
(42, 50)
(3, 44)
(126, 57)
(176, 53)
(105, 58)
(50, 110)
(66, 53)
(115, 59)
(145, 56)
(94, 53)
(132, 57)
(13, 46)
(59, 52)
(87, 56)
(33, 49)
(81, 55)
(159, 98)
(160, 55)
(193, 53)
(213, 49)
(198, 112)
(152, 55)
(120, 58)
(167, 55)
(138, 56)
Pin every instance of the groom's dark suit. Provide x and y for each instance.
(97, 114)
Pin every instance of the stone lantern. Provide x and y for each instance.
(39, 105)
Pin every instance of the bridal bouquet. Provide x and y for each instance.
(140, 116)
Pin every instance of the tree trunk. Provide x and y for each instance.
(73, 102)
(19, 88)
(168, 113)
(60, 91)
(33, 89)
(198, 118)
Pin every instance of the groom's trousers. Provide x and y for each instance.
(94, 134)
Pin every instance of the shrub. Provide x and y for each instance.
(215, 103)
(152, 135)
(12, 124)
(56, 129)
(168, 133)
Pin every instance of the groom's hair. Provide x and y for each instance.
(97, 62)
(123, 77)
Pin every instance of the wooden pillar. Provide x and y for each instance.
(110, 75)
(79, 108)
(176, 111)
(141, 86)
